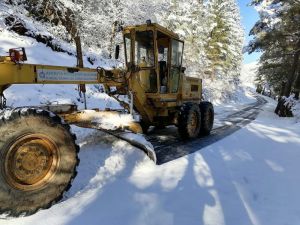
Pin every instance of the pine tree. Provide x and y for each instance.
(224, 47)
(188, 19)
(277, 35)
(236, 40)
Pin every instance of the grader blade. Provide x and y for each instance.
(136, 140)
(114, 123)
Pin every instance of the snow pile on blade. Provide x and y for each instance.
(104, 120)
(109, 120)
(115, 123)
(139, 141)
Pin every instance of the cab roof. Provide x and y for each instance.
(154, 26)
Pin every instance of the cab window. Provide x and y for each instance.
(144, 49)
(176, 61)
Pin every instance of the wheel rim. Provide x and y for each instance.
(30, 162)
(193, 125)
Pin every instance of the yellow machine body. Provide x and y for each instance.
(153, 77)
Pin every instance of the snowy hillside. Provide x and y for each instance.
(207, 54)
(217, 91)
(32, 95)
(45, 94)
(248, 75)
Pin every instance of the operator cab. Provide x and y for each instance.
(157, 53)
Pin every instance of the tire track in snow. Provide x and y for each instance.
(168, 145)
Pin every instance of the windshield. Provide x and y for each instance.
(177, 53)
(144, 49)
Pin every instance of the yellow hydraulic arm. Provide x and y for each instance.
(14, 71)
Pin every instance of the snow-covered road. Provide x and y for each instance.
(250, 177)
(169, 146)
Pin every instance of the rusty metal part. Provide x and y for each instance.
(31, 162)
(194, 122)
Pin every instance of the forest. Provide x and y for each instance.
(211, 29)
(277, 36)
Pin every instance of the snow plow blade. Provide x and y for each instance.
(119, 125)
(136, 140)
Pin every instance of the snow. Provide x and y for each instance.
(296, 110)
(140, 139)
(248, 75)
(250, 177)
(228, 98)
(38, 53)
(107, 120)
(294, 105)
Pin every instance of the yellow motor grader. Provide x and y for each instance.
(38, 153)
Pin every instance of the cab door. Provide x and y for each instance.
(144, 58)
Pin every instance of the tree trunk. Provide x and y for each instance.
(281, 109)
(292, 75)
(78, 51)
(282, 88)
(81, 87)
(279, 105)
(297, 86)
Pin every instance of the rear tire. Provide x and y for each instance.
(189, 121)
(38, 159)
(207, 118)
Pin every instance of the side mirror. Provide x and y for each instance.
(117, 52)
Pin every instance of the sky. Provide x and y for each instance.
(249, 18)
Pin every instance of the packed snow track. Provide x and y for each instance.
(168, 146)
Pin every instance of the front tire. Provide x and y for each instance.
(38, 159)
(207, 118)
(189, 121)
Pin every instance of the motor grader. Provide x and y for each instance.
(38, 152)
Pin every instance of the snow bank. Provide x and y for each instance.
(221, 92)
(238, 91)
(294, 104)
(228, 98)
(250, 177)
(296, 110)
